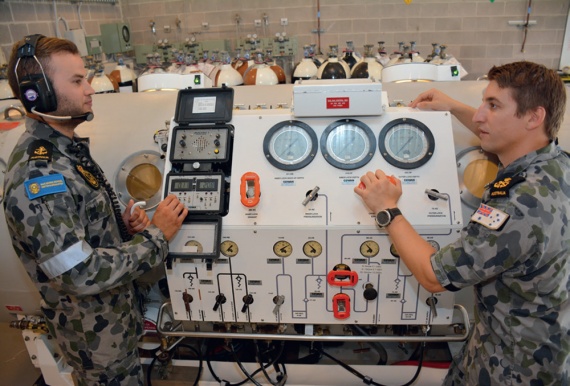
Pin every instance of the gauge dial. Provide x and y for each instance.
(369, 248)
(229, 248)
(195, 244)
(434, 244)
(312, 248)
(290, 145)
(348, 144)
(393, 251)
(406, 143)
(282, 248)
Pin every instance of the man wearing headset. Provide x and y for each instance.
(515, 251)
(66, 226)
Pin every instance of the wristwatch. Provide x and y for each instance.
(385, 217)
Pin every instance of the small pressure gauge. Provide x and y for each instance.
(282, 248)
(229, 248)
(406, 143)
(312, 248)
(290, 145)
(348, 144)
(369, 248)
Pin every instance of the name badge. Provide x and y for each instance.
(44, 185)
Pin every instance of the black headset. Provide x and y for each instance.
(36, 91)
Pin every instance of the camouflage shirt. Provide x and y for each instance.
(64, 231)
(521, 277)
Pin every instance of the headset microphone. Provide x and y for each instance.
(86, 117)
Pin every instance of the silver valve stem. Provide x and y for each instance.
(435, 194)
(311, 196)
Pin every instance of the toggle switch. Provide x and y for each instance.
(311, 196)
(249, 189)
(278, 301)
(247, 300)
(435, 195)
(187, 299)
(220, 299)
(341, 306)
(431, 302)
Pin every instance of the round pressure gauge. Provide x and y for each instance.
(369, 248)
(229, 248)
(406, 143)
(290, 145)
(312, 248)
(348, 144)
(282, 248)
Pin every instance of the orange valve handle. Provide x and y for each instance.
(338, 278)
(341, 306)
(249, 189)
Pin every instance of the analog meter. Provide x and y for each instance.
(406, 143)
(290, 145)
(348, 144)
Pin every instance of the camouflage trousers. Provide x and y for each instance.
(128, 372)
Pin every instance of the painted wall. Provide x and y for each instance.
(476, 32)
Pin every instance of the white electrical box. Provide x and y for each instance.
(77, 36)
(337, 97)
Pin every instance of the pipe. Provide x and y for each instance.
(313, 338)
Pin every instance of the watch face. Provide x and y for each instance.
(383, 218)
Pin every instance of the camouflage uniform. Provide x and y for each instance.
(521, 277)
(70, 245)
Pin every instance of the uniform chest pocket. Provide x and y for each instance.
(97, 209)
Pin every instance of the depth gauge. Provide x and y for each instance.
(406, 143)
(290, 145)
(348, 144)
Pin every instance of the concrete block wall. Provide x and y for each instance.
(476, 32)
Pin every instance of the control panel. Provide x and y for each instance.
(295, 244)
(200, 193)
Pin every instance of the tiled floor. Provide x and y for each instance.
(16, 368)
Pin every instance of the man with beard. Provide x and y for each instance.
(65, 221)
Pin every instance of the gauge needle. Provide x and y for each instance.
(404, 145)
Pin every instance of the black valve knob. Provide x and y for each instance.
(182, 143)
(247, 300)
(369, 292)
(220, 299)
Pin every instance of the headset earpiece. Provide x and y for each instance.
(36, 91)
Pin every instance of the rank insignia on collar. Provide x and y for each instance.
(88, 177)
(500, 188)
(40, 150)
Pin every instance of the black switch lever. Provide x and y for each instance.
(220, 299)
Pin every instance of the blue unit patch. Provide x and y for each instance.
(44, 185)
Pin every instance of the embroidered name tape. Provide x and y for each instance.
(44, 185)
(490, 217)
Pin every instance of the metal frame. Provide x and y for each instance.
(313, 338)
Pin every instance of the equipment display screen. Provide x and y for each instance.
(206, 185)
(181, 185)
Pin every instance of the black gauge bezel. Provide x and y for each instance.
(348, 166)
(267, 140)
(406, 165)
